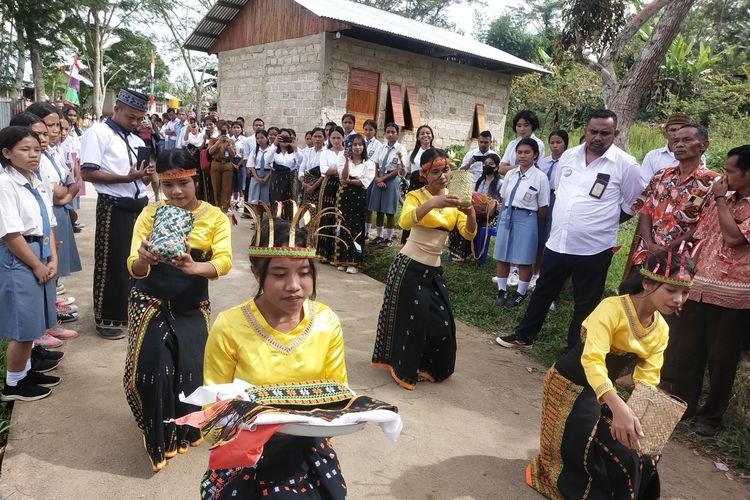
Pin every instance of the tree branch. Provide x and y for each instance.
(632, 27)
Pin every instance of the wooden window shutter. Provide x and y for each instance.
(411, 108)
(478, 123)
(394, 105)
(362, 95)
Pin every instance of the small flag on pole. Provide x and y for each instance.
(152, 81)
(74, 84)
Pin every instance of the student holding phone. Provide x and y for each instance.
(597, 183)
(109, 161)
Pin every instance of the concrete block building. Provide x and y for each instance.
(301, 63)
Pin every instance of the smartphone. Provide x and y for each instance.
(144, 154)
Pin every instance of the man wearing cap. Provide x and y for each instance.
(108, 160)
(663, 157)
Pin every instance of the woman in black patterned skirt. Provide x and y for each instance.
(356, 173)
(310, 174)
(329, 163)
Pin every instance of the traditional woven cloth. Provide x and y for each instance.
(172, 226)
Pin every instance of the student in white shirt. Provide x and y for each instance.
(524, 124)
(168, 130)
(29, 264)
(525, 195)
(240, 173)
(259, 173)
(310, 175)
(474, 159)
(371, 146)
(356, 172)
(597, 184)
(285, 158)
(384, 190)
(329, 162)
(425, 136)
(348, 120)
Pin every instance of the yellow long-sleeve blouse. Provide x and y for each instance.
(429, 233)
(614, 327)
(241, 344)
(211, 232)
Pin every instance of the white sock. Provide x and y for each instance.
(367, 228)
(28, 366)
(379, 231)
(523, 286)
(12, 378)
(389, 233)
(502, 284)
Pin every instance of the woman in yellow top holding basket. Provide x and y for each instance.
(416, 336)
(590, 437)
(177, 247)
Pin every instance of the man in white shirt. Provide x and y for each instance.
(597, 184)
(109, 153)
(660, 158)
(168, 130)
(474, 159)
(179, 128)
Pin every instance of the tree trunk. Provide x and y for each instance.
(20, 56)
(36, 65)
(626, 99)
(97, 69)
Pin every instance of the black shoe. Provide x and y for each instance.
(514, 300)
(40, 352)
(514, 340)
(705, 430)
(378, 240)
(41, 379)
(24, 391)
(386, 243)
(110, 333)
(502, 297)
(65, 317)
(43, 365)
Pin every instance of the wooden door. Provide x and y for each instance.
(362, 95)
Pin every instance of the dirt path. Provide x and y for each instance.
(468, 438)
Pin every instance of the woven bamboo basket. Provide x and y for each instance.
(169, 236)
(659, 414)
(462, 185)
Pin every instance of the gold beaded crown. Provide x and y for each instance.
(302, 218)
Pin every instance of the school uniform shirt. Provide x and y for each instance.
(386, 156)
(171, 140)
(179, 128)
(485, 189)
(415, 164)
(532, 192)
(373, 146)
(589, 199)
(239, 146)
(477, 166)
(310, 160)
(63, 171)
(71, 145)
(19, 210)
(364, 171)
(248, 149)
(509, 156)
(549, 167)
(195, 139)
(329, 159)
(658, 159)
(103, 149)
(291, 160)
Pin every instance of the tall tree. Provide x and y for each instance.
(598, 32)
(127, 63)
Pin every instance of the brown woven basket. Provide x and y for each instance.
(658, 412)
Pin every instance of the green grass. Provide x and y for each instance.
(472, 294)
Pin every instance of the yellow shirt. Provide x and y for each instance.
(211, 232)
(428, 235)
(614, 327)
(241, 344)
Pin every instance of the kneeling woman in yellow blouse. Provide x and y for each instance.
(281, 335)
(168, 312)
(416, 337)
(589, 437)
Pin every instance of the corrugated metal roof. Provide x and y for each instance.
(380, 20)
(366, 17)
(213, 24)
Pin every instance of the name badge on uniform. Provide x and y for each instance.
(695, 200)
(600, 184)
(530, 194)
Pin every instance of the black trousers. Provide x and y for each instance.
(712, 335)
(589, 273)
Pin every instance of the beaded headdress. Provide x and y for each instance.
(171, 175)
(301, 218)
(683, 278)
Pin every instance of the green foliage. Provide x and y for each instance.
(510, 34)
(127, 63)
(592, 23)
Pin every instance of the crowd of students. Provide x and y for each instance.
(684, 303)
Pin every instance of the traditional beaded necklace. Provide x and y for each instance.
(271, 340)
